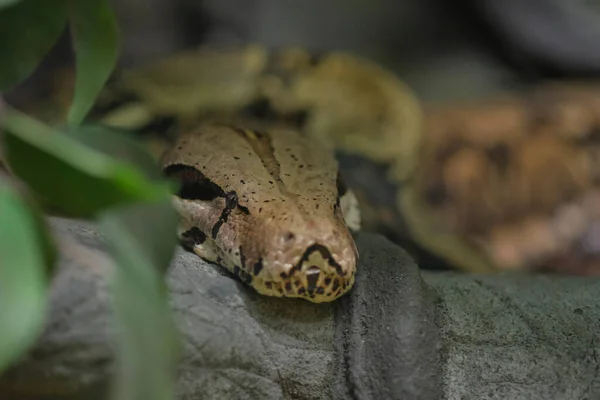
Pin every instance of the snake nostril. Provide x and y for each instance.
(312, 277)
(289, 236)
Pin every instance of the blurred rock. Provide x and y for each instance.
(393, 336)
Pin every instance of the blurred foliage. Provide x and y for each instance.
(6, 3)
(95, 38)
(22, 277)
(68, 175)
(143, 237)
(85, 171)
(28, 30)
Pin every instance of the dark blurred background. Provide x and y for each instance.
(444, 50)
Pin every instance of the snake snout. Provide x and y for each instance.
(312, 278)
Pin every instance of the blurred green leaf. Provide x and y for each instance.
(143, 239)
(120, 144)
(6, 3)
(22, 277)
(28, 30)
(96, 43)
(68, 175)
(49, 250)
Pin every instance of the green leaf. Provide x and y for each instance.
(143, 239)
(28, 30)
(65, 174)
(22, 277)
(120, 144)
(43, 231)
(96, 43)
(6, 3)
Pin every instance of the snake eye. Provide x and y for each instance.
(193, 184)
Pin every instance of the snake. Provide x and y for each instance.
(269, 148)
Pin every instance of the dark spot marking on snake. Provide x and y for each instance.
(258, 266)
(312, 277)
(288, 287)
(327, 281)
(231, 202)
(320, 290)
(336, 284)
(301, 290)
(192, 237)
(268, 285)
(194, 185)
(324, 253)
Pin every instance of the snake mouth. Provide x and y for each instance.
(312, 278)
(316, 278)
(322, 259)
(322, 282)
